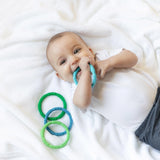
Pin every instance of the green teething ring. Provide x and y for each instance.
(55, 146)
(52, 94)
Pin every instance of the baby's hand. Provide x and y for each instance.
(84, 64)
(102, 67)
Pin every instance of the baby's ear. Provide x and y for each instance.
(91, 50)
(92, 53)
(58, 75)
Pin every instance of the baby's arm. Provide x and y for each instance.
(125, 59)
(83, 92)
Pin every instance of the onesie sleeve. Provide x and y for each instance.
(104, 54)
(138, 52)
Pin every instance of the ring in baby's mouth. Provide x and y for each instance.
(76, 74)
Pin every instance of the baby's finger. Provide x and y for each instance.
(84, 64)
(102, 74)
(98, 73)
(87, 60)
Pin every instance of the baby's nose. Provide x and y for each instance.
(74, 61)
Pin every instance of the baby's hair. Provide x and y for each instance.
(59, 35)
(55, 37)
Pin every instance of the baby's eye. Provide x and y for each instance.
(77, 50)
(62, 62)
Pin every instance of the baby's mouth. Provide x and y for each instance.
(75, 69)
(78, 74)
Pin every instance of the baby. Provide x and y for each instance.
(122, 94)
(66, 51)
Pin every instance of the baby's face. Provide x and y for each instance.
(65, 53)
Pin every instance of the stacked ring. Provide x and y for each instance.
(51, 94)
(94, 78)
(54, 109)
(46, 124)
(50, 145)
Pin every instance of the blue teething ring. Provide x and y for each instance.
(94, 78)
(64, 110)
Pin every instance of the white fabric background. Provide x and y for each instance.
(25, 75)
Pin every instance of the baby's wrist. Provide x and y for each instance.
(86, 69)
(112, 62)
(86, 72)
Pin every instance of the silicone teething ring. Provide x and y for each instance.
(50, 145)
(52, 94)
(62, 109)
(94, 78)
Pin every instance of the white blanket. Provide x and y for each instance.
(25, 75)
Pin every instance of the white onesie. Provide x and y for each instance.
(124, 96)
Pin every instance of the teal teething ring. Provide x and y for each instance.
(94, 78)
(49, 144)
(52, 94)
(62, 109)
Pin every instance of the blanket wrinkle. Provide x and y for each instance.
(25, 75)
